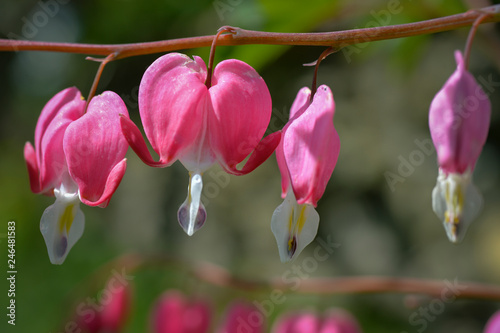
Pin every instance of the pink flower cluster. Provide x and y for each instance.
(174, 312)
(79, 153)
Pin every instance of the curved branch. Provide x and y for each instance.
(219, 276)
(334, 39)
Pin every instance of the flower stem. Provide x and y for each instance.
(470, 38)
(208, 81)
(322, 56)
(103, 62)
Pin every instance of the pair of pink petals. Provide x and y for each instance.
(185, 120)
(174, 313)
(333, 321)
(306, 155)
(109, 313)
(78, 157)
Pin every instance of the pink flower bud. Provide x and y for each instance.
(78, 158)
(307, 155)
(173, 313)
(459, 119)
(243, 318)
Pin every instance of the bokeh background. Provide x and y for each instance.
(382, 93)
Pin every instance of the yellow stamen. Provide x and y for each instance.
(66, 219)
(302, 218)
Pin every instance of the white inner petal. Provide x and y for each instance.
(294, 226)
(457, 202)
(62, 225)
(192, 214)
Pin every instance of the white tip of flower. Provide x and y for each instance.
(192, 214)
(62, 225)
(457, 202)
(294, 226)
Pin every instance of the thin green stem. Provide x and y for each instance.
(241, 37)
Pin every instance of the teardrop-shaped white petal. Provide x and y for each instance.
(457, 202)
(192, 214)
(62, 225)
(294, 226)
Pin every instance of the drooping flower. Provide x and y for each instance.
(306, 155)
(110, 312)
(243, 317)
(459, 119)
(332, 321)
(185, 120)
(173, 313)
(77, 158)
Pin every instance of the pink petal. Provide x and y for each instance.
(339, 321)
(174, 314)
(297, 323)
(197, 317)
(241, 111)
(493, 324)
(261, 153)
(32, 165)
(58, 113)
(115, 311)
(243, 317)
(459, 119)
(311, 148)
(300, 104)
(95, 149)
(134, 138)
(173, 102)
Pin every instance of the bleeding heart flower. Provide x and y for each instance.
(243, 317)
(333, 321)
(307, 155)
(111, 312)
(459, 119)
(173, 313)
(493, 324)
(78, 158)
(198, 125)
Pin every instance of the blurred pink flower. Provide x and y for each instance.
(111, 313)
(198, 125)
(493, 324)
(306, 155)
(243, 318)
(173, 313)
(333, 321)
(459, 119)
(78, 158)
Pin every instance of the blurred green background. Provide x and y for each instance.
(382, 96)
